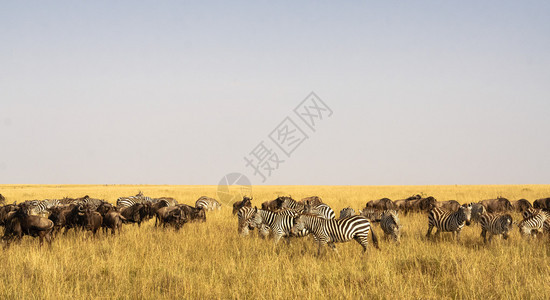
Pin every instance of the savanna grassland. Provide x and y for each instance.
(209, 260)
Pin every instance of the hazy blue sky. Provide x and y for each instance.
(434, 92)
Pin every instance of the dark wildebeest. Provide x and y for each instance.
(421, 205)
(93, 220)
(75, 217)
(274, 205)
(2, 199)
(497, 205)
(163, 213)
(175, 217)
(136, 213)
(193, 213)
(450, 205)
(20, 223)
(543, 203)
(112, 219)
(312, 201)
(521, 205)
(245, 202)
(158, 206)
(381, 204)
(58, 215)
(477, 211)
(4, 212)
(403, 204)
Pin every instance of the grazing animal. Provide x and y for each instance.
(521, 205)
(372, 214)
(477, 211)
(389, 222)
(246, 202)
(381, 204)
(279, 223)
(20, 223)
(93, 220)
(113, 220)
(136, 213)
(39, 207)
(276, 204)
(207, 203)
(497, 205)
(446, 221)
(321, 210)
(533, 222)
(450, 205)
(5, 211)
(244, 226)
(543, 203)
(193, 213)
(125, 202)
(495, 224)
(313, 201)
(347, 212)
(330, 231)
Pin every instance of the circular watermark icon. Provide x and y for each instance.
(233, 187)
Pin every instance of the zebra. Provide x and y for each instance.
(90, 202)
(390, 224)
(280, 223)
(207, 203)
(322, 210)
(125, 202)
(447, 221)
(330, 231)
(288, 202)
(495, 224)
(533, 222)
(39, 207)
(347, 212)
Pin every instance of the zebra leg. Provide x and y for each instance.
(458, 235)
(484, 235)
(430, 228)
(363, 242)
(437, 233)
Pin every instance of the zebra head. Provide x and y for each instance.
(466, 210)
(256, 220)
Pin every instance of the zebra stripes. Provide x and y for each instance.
(39, 207)
(207, 203)
(495, 224)
(280, 223)
(446, 221)
(125, 202)
(330, 231)
(389, 222)
(322, 210)
(533, 222)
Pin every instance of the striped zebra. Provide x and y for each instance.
(495, 224)
(321, 210)
(244, 216)
(330, 231)
(125, 202)
(39, 207)
(90, 202)
(207, 203)
(347, 212)
(288, 202)
(533, 222)
(446, 221)
(390, 224)
(279, 223)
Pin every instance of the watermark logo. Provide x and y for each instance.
(268, 155)
(233, 187)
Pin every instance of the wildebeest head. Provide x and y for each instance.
(466, 209)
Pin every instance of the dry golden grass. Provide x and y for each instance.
(210, 261)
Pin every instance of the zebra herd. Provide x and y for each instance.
(286, 217)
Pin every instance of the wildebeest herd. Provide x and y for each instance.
(286, 217)
(46, 218)
(282, 217)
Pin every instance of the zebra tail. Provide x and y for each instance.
(374, 239)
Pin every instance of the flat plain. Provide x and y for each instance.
(210, 260)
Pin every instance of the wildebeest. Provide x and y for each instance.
(113, 220)
(245, 202)
(381, 204)
(193, 213)
(312, 201)
(4, 212)
(93, 220)
(276, 204)
(543, 203)
(136, 213)
(521, 205)
(477, 211)
(58, 215)
(497, 205)
(20, 223)
(450, 205)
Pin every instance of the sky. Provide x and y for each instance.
(182, 92)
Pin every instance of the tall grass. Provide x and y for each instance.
(210, 260)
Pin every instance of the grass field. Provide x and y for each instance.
(210, 260)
